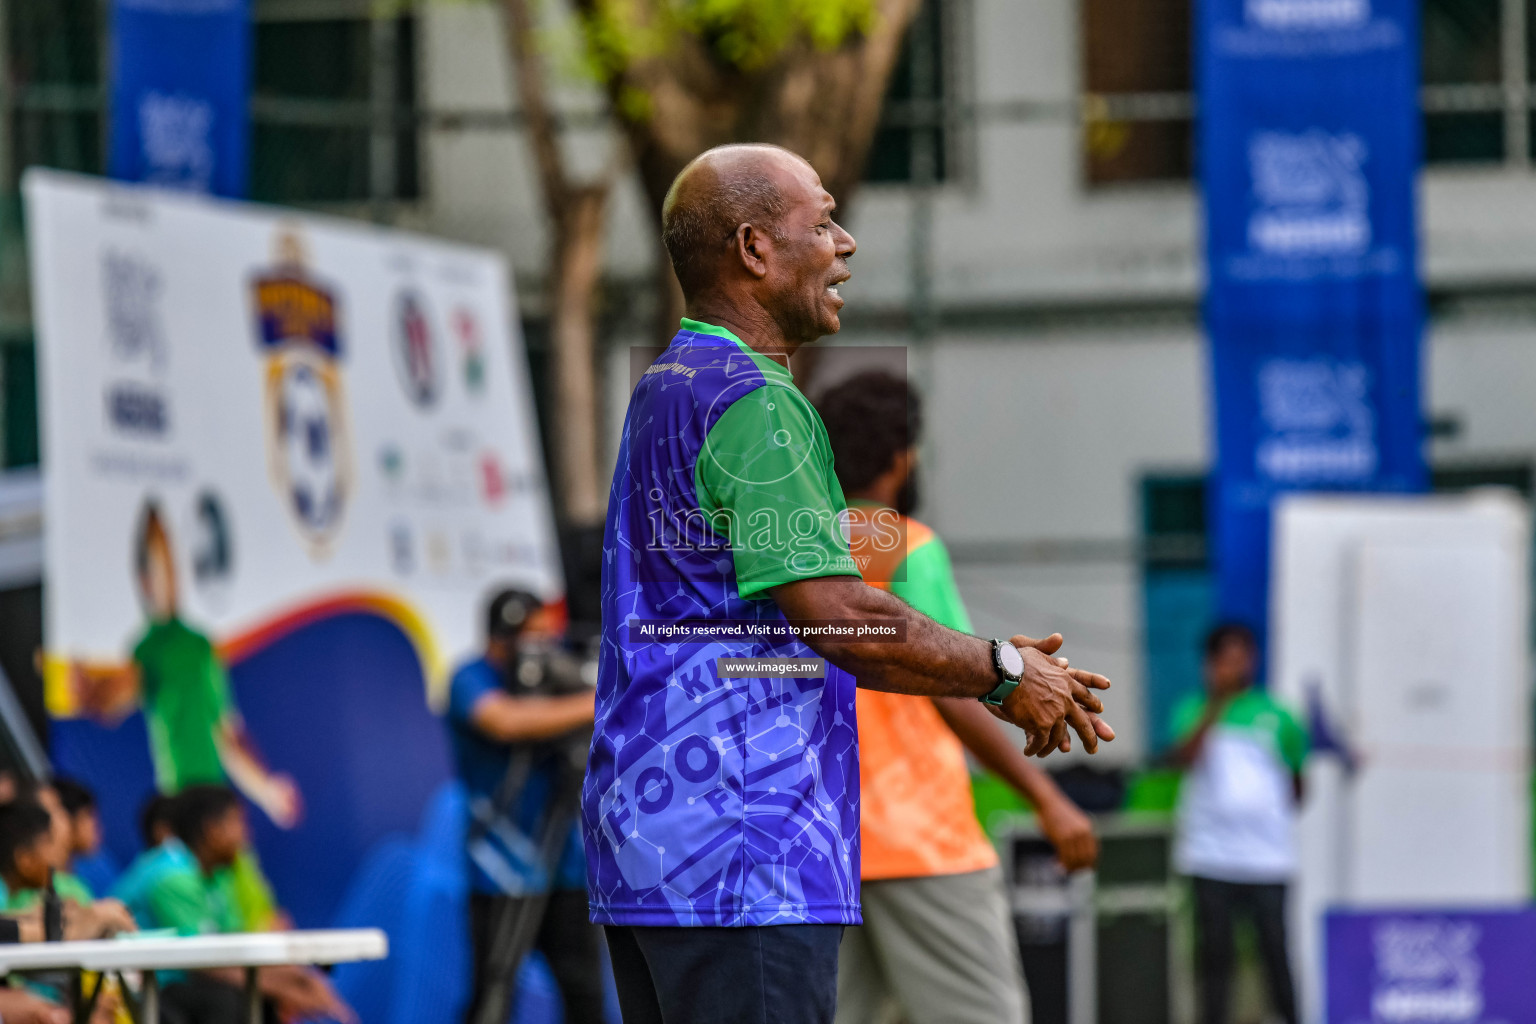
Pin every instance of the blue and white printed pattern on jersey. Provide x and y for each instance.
(707, 801)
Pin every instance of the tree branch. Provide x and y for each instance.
(528, 70)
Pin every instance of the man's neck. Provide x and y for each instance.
(748, 321)
(873, 495)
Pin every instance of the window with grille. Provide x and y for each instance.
(316, 137)
(333, 121)
(1138, 109)
(333, 110)
(913, 114)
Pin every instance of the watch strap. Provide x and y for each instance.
(1006, 683)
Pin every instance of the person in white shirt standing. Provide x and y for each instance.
(1243, 754)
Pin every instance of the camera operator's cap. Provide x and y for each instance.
(509, 612)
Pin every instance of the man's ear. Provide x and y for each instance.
(752, 248)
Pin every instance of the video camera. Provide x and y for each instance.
(546, 669)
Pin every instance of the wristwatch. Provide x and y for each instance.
(1010, 671)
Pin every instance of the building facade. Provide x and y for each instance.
(1041, 271)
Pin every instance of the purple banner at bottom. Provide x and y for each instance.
(1432, 967)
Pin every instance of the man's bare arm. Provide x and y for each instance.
(509, 719)
(936, 661)
(1069, 829)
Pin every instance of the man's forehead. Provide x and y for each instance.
(805, 187)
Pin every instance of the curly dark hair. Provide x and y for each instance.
(1229, 633)
(196, 808)
(871, 418)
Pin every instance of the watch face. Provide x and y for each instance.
(1012, 660)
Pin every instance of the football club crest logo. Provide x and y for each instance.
(307, 444)
(415, 351)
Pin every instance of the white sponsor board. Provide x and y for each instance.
(1401, 625)
(326, 416)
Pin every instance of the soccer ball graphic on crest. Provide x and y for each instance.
(307, 444)
(307, 437)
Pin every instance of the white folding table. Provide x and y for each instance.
(248, 951)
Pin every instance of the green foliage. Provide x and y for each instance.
(742, 34)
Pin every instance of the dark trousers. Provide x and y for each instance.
(783, 974)
(199, 999)
(1217, 905)
(568, 940)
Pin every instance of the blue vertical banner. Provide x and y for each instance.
(1309, 150)
(180, 84)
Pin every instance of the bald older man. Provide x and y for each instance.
(721, 807)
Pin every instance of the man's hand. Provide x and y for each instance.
(102, 691)
(1071, 832)
(21, 1007)
(101, 920)
(508, 719)
(281, 800)
(302, 993)
(1053, 697)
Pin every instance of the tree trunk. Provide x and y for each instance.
(578, 263)
(576, 215)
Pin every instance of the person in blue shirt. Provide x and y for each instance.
(512, 740)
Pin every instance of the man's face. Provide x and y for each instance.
(159, 579)
(85, 828)
(60, 835)
(225, 837)
(34, 861)
(1230, 668)
(811, 253)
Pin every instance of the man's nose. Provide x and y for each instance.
(846, 246)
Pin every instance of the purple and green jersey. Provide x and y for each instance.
(709, 800)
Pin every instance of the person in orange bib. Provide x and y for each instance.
(937, 943)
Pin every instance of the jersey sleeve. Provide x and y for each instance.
(466, 689)
(1294, 741)
(926, 581)
(764, 479)
(1186, 715)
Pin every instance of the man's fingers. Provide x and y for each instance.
(1077, 852)
(1049, 645)
(1033, 742)
(1052, 741)
(1085, 698)
(1087, 678)
(1087, 850)
(1106, 733)
(1078, 719)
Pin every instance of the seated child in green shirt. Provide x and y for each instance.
(56, 850)
(27, 846)
(28, 852)
(188, 883)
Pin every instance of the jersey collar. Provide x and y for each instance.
(700, 327)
